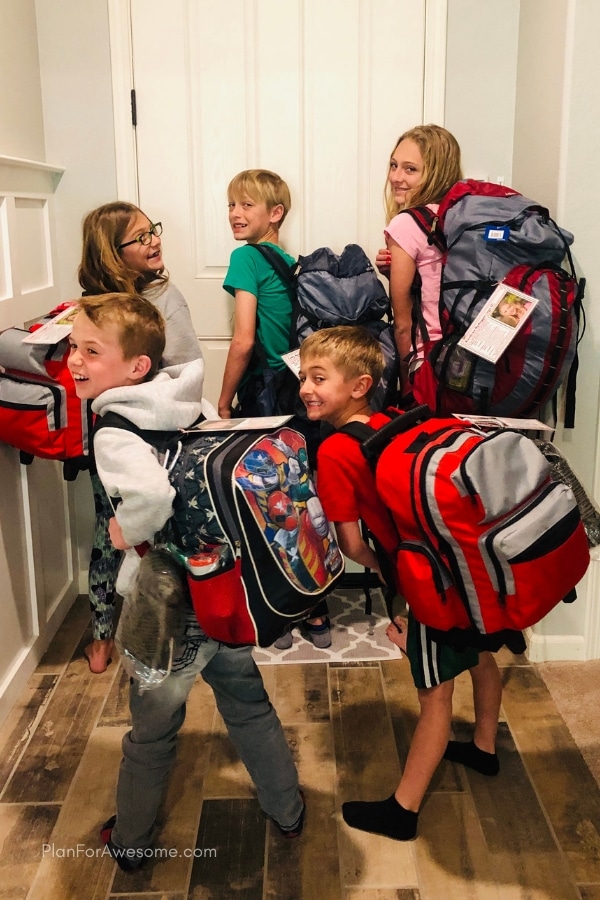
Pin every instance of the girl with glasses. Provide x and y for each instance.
(122, 252)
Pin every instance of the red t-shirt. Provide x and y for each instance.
(346, 486)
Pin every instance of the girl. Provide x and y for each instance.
(122, 253)
(424, 165)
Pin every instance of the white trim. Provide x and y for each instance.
(30, 553)
(17, 162)
(589, 596)
(555, 647)
(121, 56)
(434, 65)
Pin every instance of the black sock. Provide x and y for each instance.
(468, 754)
(385, 817)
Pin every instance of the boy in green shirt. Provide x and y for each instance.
(258, 201)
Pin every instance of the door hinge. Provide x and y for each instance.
(133, 109)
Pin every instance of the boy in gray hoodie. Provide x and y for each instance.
(116, 345)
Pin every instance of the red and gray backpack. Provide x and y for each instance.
(490, 234)
(488, 543)
(40, 413)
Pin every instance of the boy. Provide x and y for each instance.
(258, 202)
(339, 368)
(116, 345)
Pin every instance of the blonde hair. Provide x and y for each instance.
(102, 269)
(262, 186)
(352, 350)
(140, 325)
(441, 167)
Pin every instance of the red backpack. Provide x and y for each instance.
(490, 234)
(488, 543)
(40, 413)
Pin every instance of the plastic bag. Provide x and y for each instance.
(152, 619)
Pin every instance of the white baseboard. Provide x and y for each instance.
(554, 647)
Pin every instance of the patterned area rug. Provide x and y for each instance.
(355, 637)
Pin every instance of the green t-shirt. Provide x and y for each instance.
(250, 271)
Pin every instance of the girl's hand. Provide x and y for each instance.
(116, 535)
(383, 261)
(224, 412)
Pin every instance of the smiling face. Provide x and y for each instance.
(144, 258)
(96, 360)
(251, 221)
(406, 171)
(328, 395)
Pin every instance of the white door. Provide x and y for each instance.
(316, 90)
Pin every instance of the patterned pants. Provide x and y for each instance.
(104, 565)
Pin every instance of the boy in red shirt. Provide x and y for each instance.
(339, 369)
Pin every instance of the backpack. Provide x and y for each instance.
(40, 413)
(490, 234)
(488, 543)
(341, 290)
(248, 526)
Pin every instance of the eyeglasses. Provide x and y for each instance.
(146, 237)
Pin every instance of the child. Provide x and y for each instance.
(259, 201)
(338, 369)
(116, 345)
(424, 165)
(122, 252)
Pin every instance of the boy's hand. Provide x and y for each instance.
(116, 535)
(224, 412)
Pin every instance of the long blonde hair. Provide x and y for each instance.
(102, 270)
(441, 167)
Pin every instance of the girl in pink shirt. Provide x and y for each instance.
(424, 165)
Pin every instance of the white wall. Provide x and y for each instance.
(521, 81)
(76, 89)
(577, 193)
(481, 73)
(21, 121)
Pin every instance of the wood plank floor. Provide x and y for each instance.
(531, 833)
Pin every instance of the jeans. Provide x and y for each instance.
(253, 726)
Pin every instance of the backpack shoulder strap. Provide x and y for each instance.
(277, 262)
(373, 441)
(428, 223)
(158, 439)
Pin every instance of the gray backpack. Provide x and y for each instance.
(341, 290)
(488, 234)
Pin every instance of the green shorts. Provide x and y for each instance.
(432, 663)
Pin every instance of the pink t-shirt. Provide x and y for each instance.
(406, 233)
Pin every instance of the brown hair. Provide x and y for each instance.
(352, 349)
(262, 186)
(441, 166)
(102, 269)
(140, 325)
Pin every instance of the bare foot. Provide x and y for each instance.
(98, 655)
(397, 631)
